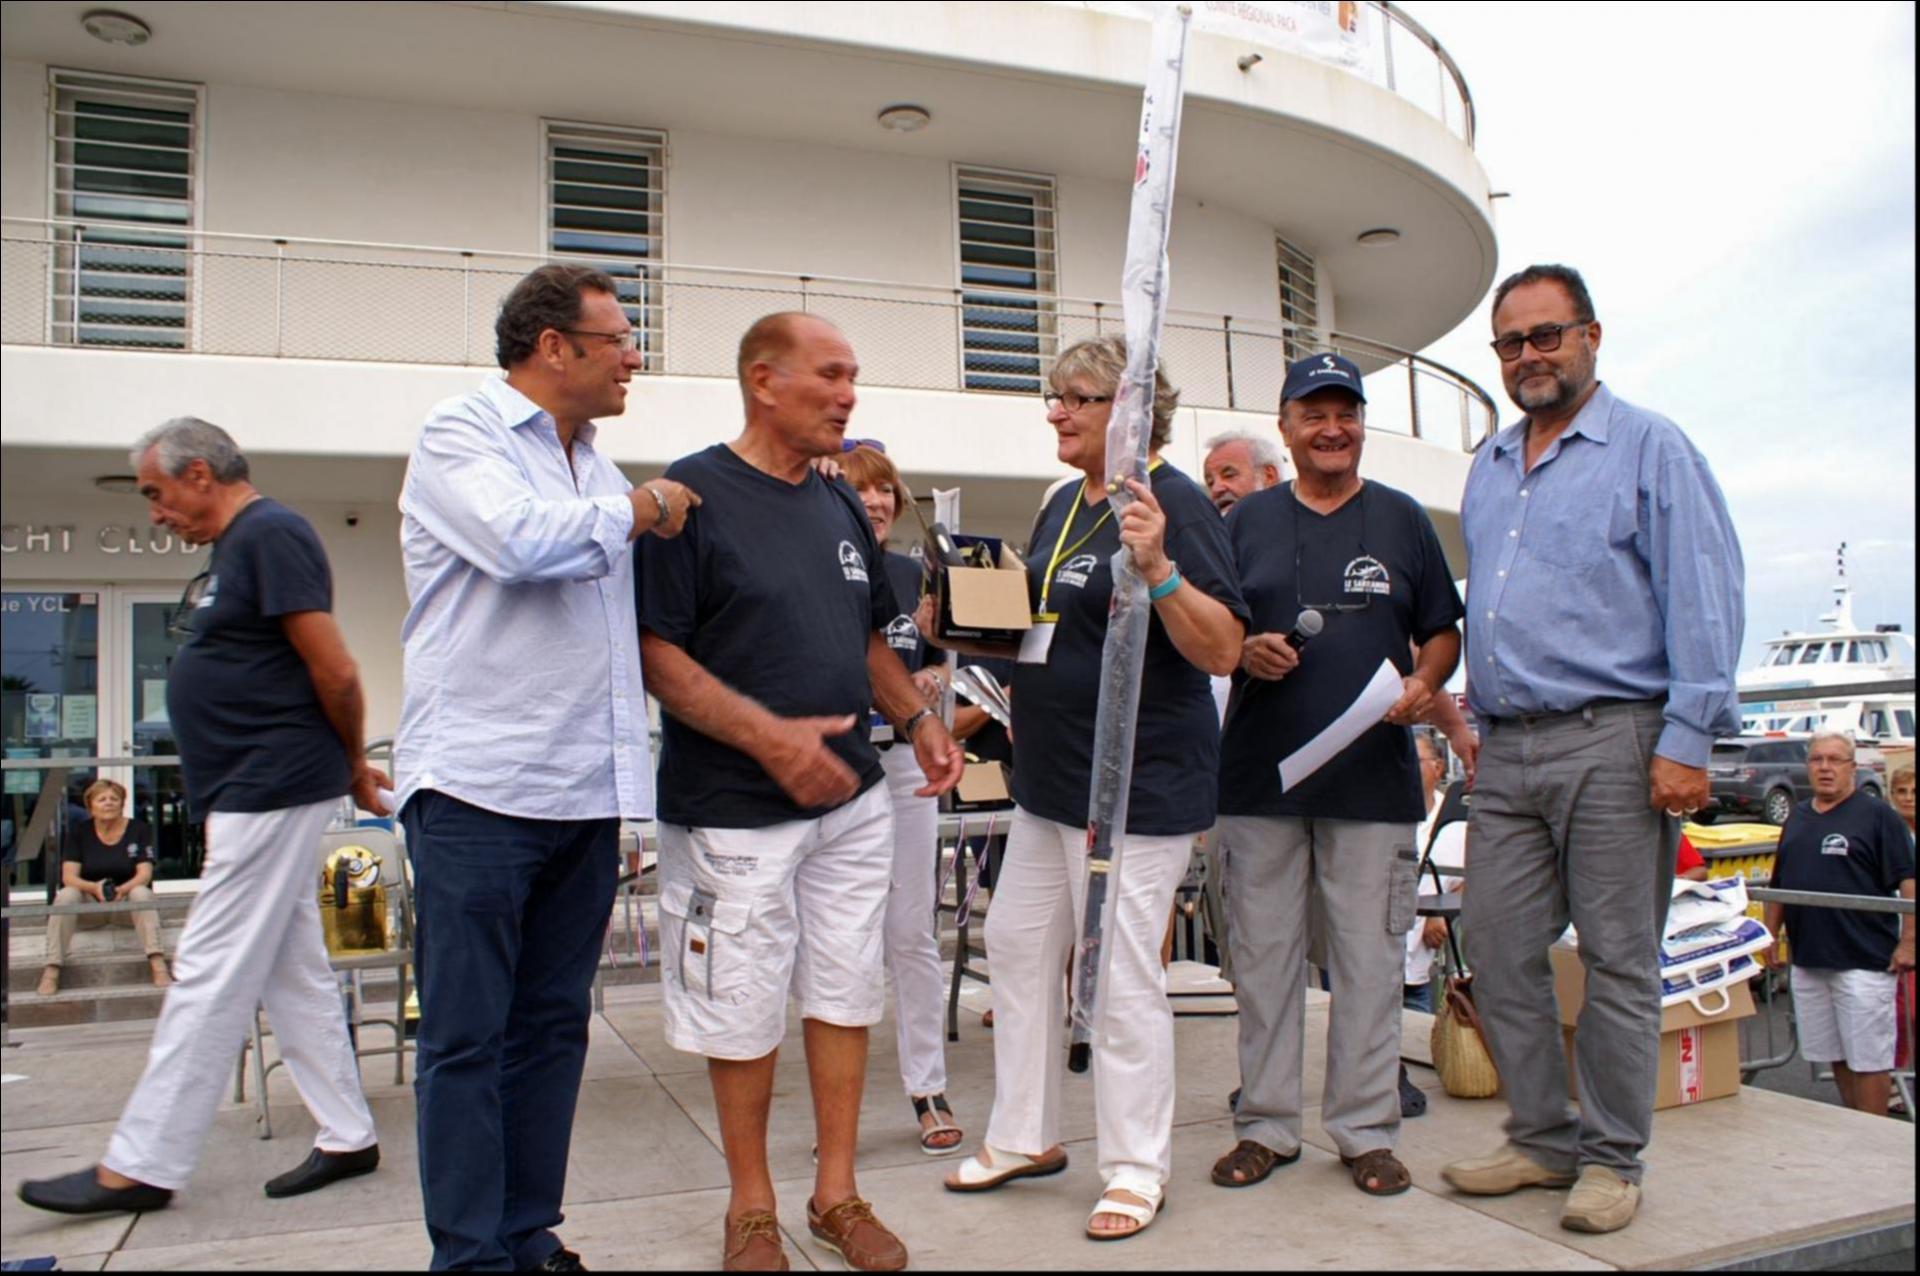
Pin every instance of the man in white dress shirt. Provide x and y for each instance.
(522, 745)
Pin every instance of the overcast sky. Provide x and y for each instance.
(1737, 186)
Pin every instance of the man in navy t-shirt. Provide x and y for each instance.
(266, 704)
(1845, 962)
(764, 638)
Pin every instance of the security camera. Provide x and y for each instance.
(353, 518)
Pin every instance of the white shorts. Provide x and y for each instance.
(1845, 1016)
(746, 914)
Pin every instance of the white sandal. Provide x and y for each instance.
(990, 1167)
(1143, 1215)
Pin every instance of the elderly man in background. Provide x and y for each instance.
(1604, 617)
(265, 702)
(522, 745)
(1845, 963)
(1238, 463)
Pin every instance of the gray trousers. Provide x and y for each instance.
(1361, 876)
(1561, 831)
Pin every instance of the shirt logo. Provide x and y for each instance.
(1367, 575)
(1833, 844)
(1076, 570)
(903, 634)
(852, 565)
(207, 596)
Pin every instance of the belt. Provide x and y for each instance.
(1587, 711)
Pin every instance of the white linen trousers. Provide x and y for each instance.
(913, 949)
(252, 938)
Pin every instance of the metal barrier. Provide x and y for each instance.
(96, 285)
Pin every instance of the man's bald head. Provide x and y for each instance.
(772, 338)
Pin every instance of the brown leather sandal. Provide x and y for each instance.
(1251, 1161)
(1389, 1176)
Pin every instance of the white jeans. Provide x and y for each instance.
(252, 938)
(913, 949)
(746, 914)
(1032, 925)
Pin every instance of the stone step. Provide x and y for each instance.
(115, 970)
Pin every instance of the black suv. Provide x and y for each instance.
(1766, 777)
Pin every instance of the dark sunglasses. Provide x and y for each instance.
(180, 623)
(1544, 339)
(847, 445)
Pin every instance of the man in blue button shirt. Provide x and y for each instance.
(1604, 618)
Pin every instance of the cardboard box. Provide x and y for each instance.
(982, 787)
(1699, 1054)
(982, 605)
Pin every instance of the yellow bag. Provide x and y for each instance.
(1459, 1049)
(353, 903)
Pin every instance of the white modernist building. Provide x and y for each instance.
(296, 220)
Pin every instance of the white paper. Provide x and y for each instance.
(1378, 696)
(79, 717)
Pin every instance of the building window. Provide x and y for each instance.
(125, 167)
(1008, 330)
(1299, 301)
(607, 203)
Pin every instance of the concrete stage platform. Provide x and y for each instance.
(1758, 1181)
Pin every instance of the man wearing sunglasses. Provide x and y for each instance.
(1604, 593)
(1340, 843)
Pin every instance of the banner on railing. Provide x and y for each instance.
(1341, 33)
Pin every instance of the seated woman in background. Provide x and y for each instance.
(108, 858)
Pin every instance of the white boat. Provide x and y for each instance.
(1843, 654)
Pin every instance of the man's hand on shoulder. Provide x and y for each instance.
(795, 756)
(660, 506)
(1676, 789)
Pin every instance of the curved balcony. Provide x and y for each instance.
(108, 288)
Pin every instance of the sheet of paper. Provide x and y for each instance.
(1375, 699)
(79, 717)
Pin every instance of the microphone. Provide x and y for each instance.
(944, 545)
(1307, 626)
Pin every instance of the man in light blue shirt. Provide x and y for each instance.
(1604, 619)
(522, 745)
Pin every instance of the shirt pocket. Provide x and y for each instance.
(1577, 526)
(710, 943)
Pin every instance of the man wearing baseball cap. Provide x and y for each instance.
(1341, 840)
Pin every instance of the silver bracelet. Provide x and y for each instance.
(906, 728)
(660, 503)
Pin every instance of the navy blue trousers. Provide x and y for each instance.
(511, 915)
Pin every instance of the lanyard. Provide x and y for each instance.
(1053, 563)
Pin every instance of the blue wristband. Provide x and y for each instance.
(1165, 587)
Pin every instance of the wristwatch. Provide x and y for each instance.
(906, 728)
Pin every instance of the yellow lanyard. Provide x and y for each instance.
(1079, 499)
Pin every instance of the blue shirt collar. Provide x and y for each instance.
(1591, 421)
(517, 410)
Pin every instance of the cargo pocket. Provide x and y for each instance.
(709, 938)
(1403, 884)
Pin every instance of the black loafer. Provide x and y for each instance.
(562, 1260)
(321, 1168)
(81, 1193)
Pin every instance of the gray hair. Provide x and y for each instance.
(1261, 447)
(1103, 361)
(1843, 737)
(178, 443)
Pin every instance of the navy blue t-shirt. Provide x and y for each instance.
(251, 731)
(908, 580)
(114, 862)
(1177, 737)
(1860, 847)
(773, 588)
(1377, 571)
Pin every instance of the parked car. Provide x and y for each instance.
(1766, 776)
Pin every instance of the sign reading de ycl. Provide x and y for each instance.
(58, 538)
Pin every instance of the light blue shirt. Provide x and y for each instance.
(1611, 571)
(523, 692)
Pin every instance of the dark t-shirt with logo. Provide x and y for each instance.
(251, 731)
(1860, 847)
(101, 862)
(1375, 571)
(907, 579)
(773, 588)
(1177, 737)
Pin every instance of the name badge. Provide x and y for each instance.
(1036, 643)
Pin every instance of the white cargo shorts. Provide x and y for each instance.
(1845, 1016)
(746, 914)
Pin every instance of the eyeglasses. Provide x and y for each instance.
(1545, 339)
(847, 445)
(1326, 607)
(180, 623)
(1071, 401)
(627, 341)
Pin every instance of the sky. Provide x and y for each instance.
(1736, 184)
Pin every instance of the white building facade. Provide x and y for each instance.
(297, 221)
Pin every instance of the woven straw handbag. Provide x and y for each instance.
(1459, 1047)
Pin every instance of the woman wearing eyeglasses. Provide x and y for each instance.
(1340, 841)
(1178, 544)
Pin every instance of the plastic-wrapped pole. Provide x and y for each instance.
(1143, 299)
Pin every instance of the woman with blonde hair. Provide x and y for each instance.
(108, 858)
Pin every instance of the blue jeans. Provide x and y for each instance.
(1417, 996)
(510, 918)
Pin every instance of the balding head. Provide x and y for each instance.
(797, 380)
(773, 338)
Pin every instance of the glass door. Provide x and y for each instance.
(50, 707)
(144, 653)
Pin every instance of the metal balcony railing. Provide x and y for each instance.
(120, 287)
(1419, 69)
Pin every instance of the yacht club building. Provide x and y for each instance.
(297, 221)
